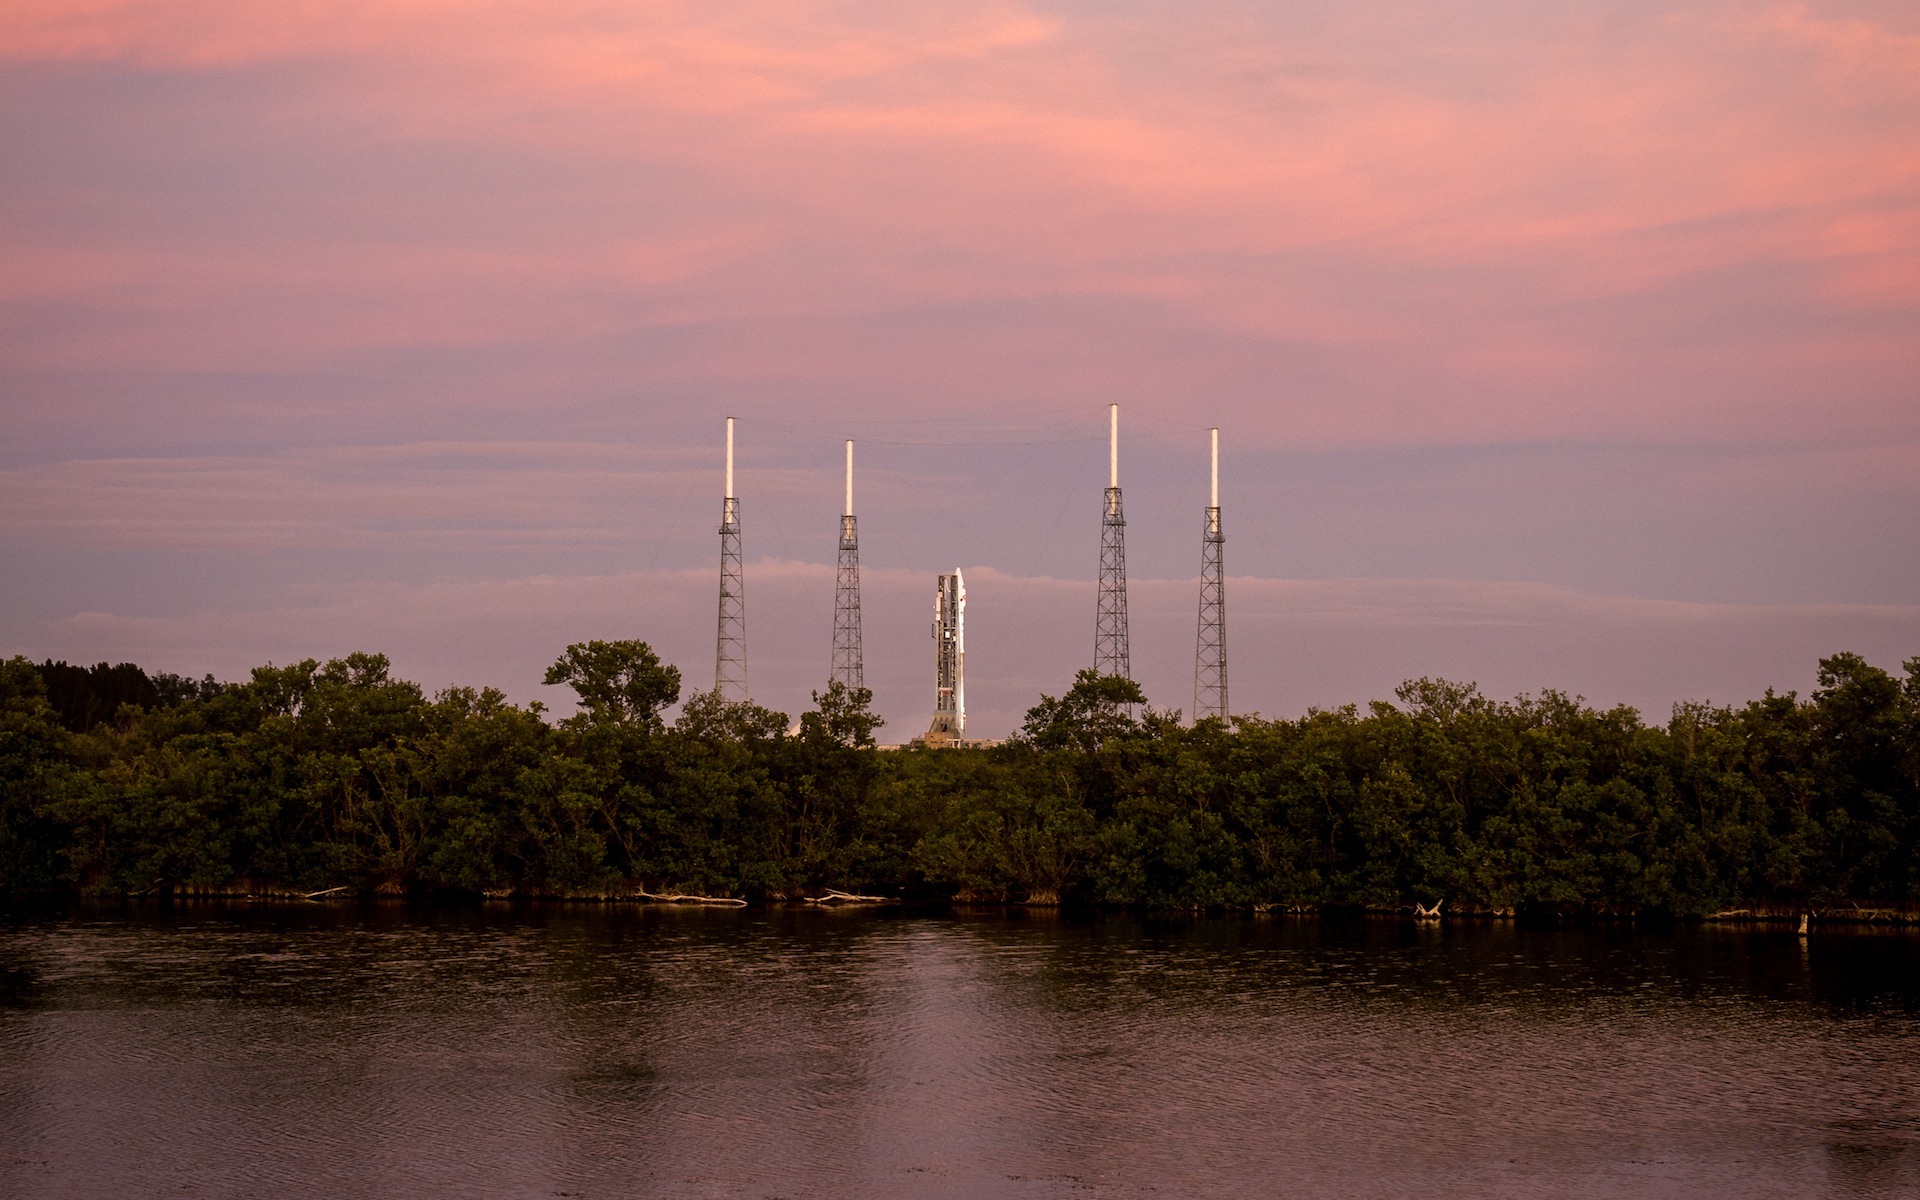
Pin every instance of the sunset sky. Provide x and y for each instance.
(1552, 345)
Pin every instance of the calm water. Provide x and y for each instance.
(562, 1051)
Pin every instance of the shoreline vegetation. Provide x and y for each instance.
(335, 781)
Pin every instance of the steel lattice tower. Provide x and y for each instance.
(730, 654)
(1210, 654)
(848, 666)
(1110, 654)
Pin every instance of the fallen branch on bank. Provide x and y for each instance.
(345, 887)
(683, 898)
(837, 897)
(1873, 915)
(1422, 913)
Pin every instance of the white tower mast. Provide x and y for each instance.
(730, 652)
(1111, 655)
(1210, 653)
(848, 667)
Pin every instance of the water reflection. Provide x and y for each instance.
(209, 1050)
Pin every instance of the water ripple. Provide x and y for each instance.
(215, 1051)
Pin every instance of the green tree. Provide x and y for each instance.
(841, 714)
(35, 762)
(620, 682)
(1096, 710)
(1008, 832)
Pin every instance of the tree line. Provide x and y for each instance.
(336, 775)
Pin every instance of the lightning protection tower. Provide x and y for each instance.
(730, 655)
(949, 727)
(848, 668)
(1210, 654)
(1110, 654)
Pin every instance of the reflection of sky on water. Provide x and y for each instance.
(616, 1052)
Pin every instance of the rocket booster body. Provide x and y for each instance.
(949, 659)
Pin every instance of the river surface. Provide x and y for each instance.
(340, 1051)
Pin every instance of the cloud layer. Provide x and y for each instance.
(1512, 223)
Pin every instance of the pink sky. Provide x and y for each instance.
(441, 303)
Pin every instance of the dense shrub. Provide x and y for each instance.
(335, 775)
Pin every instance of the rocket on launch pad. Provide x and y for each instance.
(949, 726)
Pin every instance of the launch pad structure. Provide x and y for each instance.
(1210, 649)
(849, 665)
(949, 727)
(1112, 650)
(730, 650)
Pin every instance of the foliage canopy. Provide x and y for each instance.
(335, 774)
